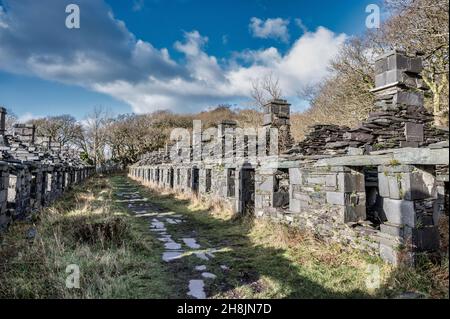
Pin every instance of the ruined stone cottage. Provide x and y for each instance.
(34, 171)
(379, 187)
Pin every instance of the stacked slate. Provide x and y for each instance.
(387, 127)
(403, 126)
(323, 140)
(153, 158)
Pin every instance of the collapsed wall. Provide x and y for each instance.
(34, 171)
(380, 187)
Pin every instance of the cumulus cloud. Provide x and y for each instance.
(270, 29)
(28, 116)
(105, 57)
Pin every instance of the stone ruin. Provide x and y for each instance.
(380, 187)
(34, 171)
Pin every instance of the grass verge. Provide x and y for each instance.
(266, 260)
(116, 257)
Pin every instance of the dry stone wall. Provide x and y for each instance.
(380, 187)
(34, 171)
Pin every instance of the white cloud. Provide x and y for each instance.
(305, 63)
(145, 77)
(28, 116)
(270, 29)
(301, 25)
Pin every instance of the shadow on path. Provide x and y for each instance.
(242, 268)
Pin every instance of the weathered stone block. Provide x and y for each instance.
(354, 213)
(294, 205)
(409, 144)
(389, 254)
(353, 182)
(339, 198)
(426, 238)
(415, 65)
(267, 184)
(331, 180)
(400, 212)
(316, 180)
(393, 76)
(381, 66)
(414, 132)
(383, 185)
(409, 98)
(380, 79)
(392, 229)
(295, 176)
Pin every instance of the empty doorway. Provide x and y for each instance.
(248, 191)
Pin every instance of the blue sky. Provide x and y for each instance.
(182, 55)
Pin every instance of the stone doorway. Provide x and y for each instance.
(195, 180)
(171, 177)
(248, 191)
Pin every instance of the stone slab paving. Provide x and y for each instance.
(175, 248)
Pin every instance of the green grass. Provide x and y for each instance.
(273, 261)
(119, 257)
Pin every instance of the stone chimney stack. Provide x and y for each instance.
(225, 145)
(25, 132)
(2, 120)
(398, 81)
(400, 88)
(277, 115)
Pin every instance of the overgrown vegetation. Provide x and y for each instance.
(119, 258)
(87, 228)
(274, 261)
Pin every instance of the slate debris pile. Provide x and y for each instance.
(157, 157)
(323, 140)
(385, 128)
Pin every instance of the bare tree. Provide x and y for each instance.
(64, 129)
(10, 120)
(421, 25)
(95, 134)
(266, 89)
(344, 97)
